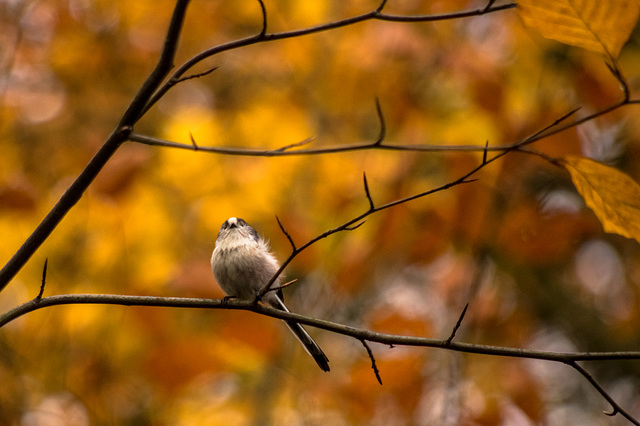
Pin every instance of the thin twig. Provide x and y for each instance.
(383, 126)
(616, 408)
(489, 4)
(281, 286)
(458, 324)
(615, 70)
(381, 6)
(354, 227)
(373, 360)
(306, 141)
(193, 142)
(484, 152)
(367, 193)
(263, 36)
(192, 76)
(263, 9)
(284, 231)
(44, 280)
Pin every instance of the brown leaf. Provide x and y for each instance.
(612, 195)
(596, 25)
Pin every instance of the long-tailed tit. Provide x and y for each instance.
(242, 265)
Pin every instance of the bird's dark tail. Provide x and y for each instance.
(303, 337)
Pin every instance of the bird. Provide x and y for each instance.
(242, 264)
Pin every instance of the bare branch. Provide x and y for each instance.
(287, 284)
(284, 231)
(616, 408)
(73, 194)
(624, 86)
(306, 141)
(193, 142)
(165, 63)
(539, 134)
(382, 4)
(263, 36)
(383, 127)
(484, 152)
(569, 358)
(279, 287)
(489, 4)
(354, 227)
(44, 280)
(263, 9)
(366, 191)
(373, 360)
(345, 330)
(547, 131)
(458, 324)
(192, 76)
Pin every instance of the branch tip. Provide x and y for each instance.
(613, 67)
(457, 326)
(173, 81)
(366, 191)
(382, 4)
(44, 280)
(263, 9)
(488, 6)
(373, 360)
(281, 286)
(354, 227)
(296, 145)
(484, 153)
(193, 142)
(383, 126)
(284, 231)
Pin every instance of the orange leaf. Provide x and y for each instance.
(596, 25)
(612, 195)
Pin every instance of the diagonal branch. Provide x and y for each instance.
(374, 366)
(617, 409)
(284, 231)
(458, 324)
(75, 191)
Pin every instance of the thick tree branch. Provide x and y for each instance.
(73, 194)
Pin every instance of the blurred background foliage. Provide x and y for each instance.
(518, 244)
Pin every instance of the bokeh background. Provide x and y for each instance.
(518, 245)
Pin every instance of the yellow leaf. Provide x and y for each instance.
(612, 195)
(602, 26)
